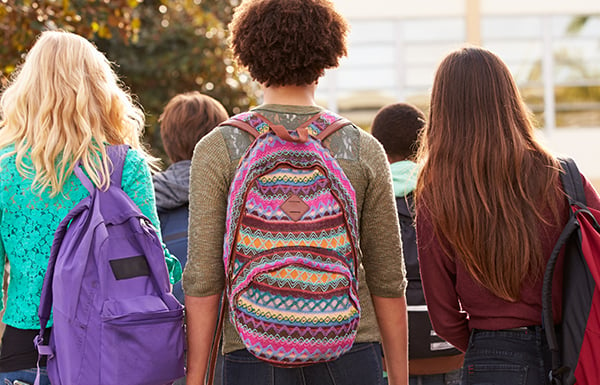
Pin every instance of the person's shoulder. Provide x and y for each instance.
(8, 162)
(134, 158)
(223, 140)
(369, 145)
(217, 136)
(591, 194)
(7, 150)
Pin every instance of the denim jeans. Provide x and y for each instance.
(26, 376)
(507, 357)
(362, 365)
(450, 378)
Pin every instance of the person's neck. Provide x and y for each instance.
(392, 158)
(290, 95)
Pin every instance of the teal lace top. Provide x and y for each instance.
(28, 222)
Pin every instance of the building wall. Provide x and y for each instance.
(402, 9)
(395, 46)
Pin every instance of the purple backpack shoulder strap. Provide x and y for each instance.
(117, 156)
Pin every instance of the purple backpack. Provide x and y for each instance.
(107, 283)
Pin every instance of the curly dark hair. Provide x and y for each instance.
(398, 126)
(288, 42)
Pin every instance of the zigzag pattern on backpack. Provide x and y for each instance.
(290, 249)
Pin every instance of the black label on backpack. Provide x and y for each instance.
(125, 268)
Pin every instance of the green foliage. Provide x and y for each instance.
(21, 22)
(182, 46)
(160, 47)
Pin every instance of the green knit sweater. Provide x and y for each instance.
(363, 159)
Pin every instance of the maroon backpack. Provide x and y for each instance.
(576, 354)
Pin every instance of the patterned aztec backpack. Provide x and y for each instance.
(576, 354)
(291, 244)
(115, 320)
(423, 342)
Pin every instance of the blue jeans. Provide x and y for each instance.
(362, 365)
(450, 378)
(26, 376)
(507, 357)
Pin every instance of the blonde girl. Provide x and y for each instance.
(64, 105)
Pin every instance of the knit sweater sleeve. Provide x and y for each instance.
(204, 274)
(379, 227)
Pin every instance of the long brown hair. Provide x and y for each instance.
(485, 180)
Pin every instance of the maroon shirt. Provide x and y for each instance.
(448, 285)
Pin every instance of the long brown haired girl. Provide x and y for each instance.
(489, 209)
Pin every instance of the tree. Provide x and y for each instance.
(576, 92)
(160, 47)
(182, 46)
(21, 21)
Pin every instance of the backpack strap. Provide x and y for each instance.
(242, 125)
(320, 126)
(116, 154)
(333, 127)
(46, 295)
(572, 183)
(214, 350)
(573, 187)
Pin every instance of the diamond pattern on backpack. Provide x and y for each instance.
(291, 243)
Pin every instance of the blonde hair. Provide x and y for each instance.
(64, 104)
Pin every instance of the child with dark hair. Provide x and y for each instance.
(432, 360)
(397, 127)
(286, 45)
(185, 120)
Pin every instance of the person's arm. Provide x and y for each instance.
(204, 275)
(201, 320)
(438, 274)
(393, 326)
(382, 259)
(137, 184)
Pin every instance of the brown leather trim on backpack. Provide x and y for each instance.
(242, 126)
(283, 133)
(333, 127)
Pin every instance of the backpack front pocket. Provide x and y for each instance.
(145, 348)
(295, 309)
